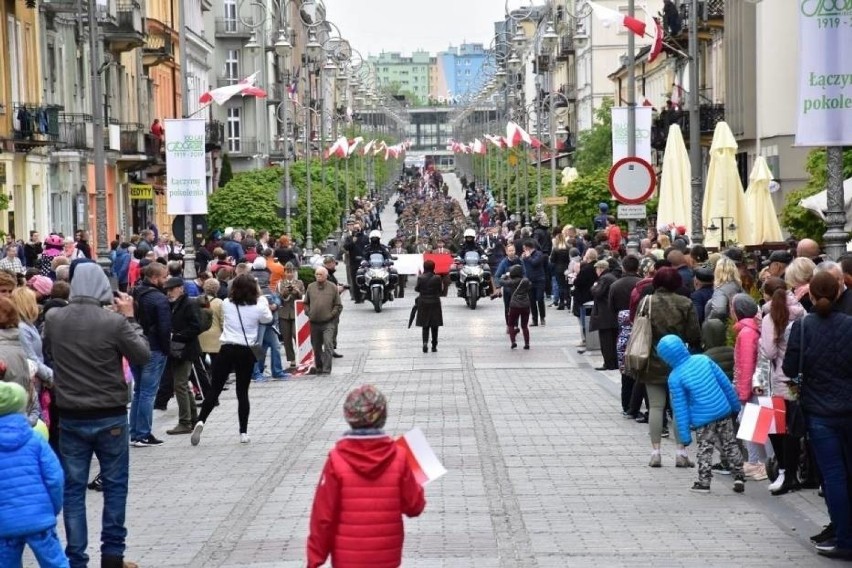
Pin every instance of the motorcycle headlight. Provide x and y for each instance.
(474, 271)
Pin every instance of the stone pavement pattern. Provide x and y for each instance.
(543, 470)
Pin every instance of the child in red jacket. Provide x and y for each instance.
(365, 488)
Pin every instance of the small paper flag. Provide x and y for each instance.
(422, 459)
(755, 423)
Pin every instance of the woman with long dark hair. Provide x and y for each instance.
(818, 354)
(244, 311)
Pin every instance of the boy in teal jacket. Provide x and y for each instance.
(703, 399)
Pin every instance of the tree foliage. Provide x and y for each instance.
(325, 205)
(227, 174)
(803, 223)
(594, 146)
(584, 195)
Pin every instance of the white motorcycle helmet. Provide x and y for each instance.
(375, 234)
(469, 233)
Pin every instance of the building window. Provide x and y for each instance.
(230, 19)
(232, 66)
(234, 130)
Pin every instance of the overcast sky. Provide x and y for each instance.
(405, 25)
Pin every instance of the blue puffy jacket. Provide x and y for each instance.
(701, 393)
(121, 265)
(32, 480)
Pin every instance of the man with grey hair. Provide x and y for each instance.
(323, 307)
(62, 272)
(232, 246)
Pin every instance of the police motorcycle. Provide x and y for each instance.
(471, 274)
(376, 279)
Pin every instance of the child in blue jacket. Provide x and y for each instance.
(30, 487)
(703, 399)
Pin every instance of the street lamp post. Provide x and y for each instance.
(283, 48)
(713, 228)
(99, 161)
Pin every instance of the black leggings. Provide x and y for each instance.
(434, 329)
(240, 360)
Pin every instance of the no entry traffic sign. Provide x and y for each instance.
(632, 181)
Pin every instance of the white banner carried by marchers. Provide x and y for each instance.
(186, 177)
(825, 73)
(620, 133)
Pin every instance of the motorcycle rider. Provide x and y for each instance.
(354, 244)
(469, 244)
(375, 246)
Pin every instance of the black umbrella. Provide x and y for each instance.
(413, 314)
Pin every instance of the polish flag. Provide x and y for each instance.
(353, 144)
(755, 423)
(515, 135)
(420, 457)
(340, 148)
(368, 147)
(656, 34)
(380, 147)
(610, 17)
(779, 412)
(479, 147)
(498, 141)
(536, 143)
(221, 95)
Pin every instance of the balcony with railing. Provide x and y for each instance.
(74, 131)
(241, 146)
(159, 45)
(129, 31)
(708, 116)
(33, 125)
(565, 48)
(234, 28)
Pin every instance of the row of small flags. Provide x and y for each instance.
(515, 136)
(344, 147)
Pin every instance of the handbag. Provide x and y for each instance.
(256, 350)
(177, 349)
(637, 354)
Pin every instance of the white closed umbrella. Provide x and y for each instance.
(675, 205)
(724, 199)
(764, 226)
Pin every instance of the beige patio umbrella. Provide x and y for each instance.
(763, 225)
(675, 204)
(724, 200)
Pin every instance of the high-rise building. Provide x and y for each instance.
(459, 72)
(397, 74)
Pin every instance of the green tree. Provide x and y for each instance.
(594, 146)
(227, 173)
(584, 194)
(325, 206)
(803, 223)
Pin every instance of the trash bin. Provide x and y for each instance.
(593, 340)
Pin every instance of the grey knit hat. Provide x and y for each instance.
(744, 306)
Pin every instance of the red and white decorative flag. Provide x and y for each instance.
(779, 413)
(340, 148)
(368, 147)
(221, 95)
(755, 423)
(515, 135)
(420, 457)
(498, 141)
(610, 17)
(656, 33)
(353, 144)
(479, 147)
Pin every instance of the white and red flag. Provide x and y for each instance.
(245, 87)
(755, 423)
(353, 144)
(655, 32)
(610, 17)
(420, 457)
(779, 412)
(515, 135)
(340, 148)
(498, 141)
(479, 147)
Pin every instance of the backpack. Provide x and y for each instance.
(205, 313)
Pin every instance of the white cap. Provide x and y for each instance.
(375, 234)
(469, 233)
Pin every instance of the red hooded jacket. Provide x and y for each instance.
(365, 488)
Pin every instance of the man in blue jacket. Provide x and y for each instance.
(703, 399)
(505, 265)
(534, 270)
(154, 314)
(121, 266)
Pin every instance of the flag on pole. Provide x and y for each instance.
(353, 144)
(340, 148)
(221, 95)
(498, 141)
(610, 17)
(515, 135)
(656, 34)
(755, 423)
(479, 147)
(420, 457)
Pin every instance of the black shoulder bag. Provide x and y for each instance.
(256, 349)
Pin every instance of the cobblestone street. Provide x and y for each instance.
(542, 469)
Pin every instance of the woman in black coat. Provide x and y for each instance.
(586, 278)
(560, 258)
(429, 315)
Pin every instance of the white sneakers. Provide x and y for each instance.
(778, 483)
(244, 438)
(196, 433)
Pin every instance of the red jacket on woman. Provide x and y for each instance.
(365, 488)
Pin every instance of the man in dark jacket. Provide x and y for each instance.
(604, 318)
(354, 244)
(534, 270)
(32, 250)
(121, 266)
(703, 291)
(186, 327)
(155, 317)
(619, 300)
(232, 245)
(86, 344)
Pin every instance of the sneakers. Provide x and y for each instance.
(830, 549)
(778, 483)
(196, 433)
(699, 487)
(721, 469)
(828, 532)
(244, 438)
(656, 460)
(664, 433)
(97, 484)
(683, 461)
(147, 442)
(739, 485)
(260, 379)
(179, 429)
(756, 471)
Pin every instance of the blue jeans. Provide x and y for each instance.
(146, 381)
(107, 439)
(831, 440)
(45, 546)
(271, 343)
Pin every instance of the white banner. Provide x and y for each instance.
(825, 74)
(620, 133)
(411, 264)
(186, 178)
